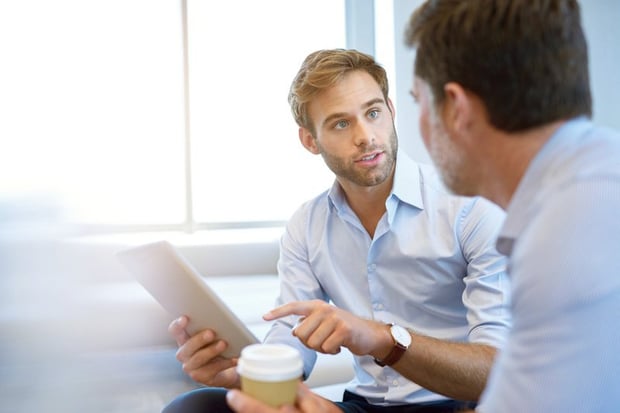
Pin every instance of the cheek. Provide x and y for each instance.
(424, 125)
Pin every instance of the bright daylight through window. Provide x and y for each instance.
(248, 164)
(96, 108)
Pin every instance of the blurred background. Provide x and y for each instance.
(127, 121)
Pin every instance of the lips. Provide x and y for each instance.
(370, 159)
(369, 156)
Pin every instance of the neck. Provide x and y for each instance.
(510, 156)
(368, 203)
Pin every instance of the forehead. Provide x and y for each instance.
(348, 95)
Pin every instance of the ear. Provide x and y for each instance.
(391, 107)
(458, 108)
(308, 141)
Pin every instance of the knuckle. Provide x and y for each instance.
(194, 375)
(315, 344)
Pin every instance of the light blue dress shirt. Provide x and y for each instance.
(432, 266)
(562, 236)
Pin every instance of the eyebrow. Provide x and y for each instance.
(337, 115)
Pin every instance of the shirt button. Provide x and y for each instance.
(372, 267)
(395, 383)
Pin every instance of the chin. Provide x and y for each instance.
(458, 187)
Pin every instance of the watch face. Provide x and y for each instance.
(401, 335)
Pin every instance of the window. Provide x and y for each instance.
(247, 162)
(95, 110)
(93, 103)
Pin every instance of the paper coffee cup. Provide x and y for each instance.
(270, 372)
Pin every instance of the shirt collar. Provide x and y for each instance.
(521, 207)
(406, 187)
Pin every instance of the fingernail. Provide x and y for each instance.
(231, 397)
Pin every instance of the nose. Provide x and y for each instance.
(363, 134)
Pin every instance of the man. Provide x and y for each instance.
(386, 245)
(504, 102)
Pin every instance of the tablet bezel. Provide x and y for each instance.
(182, 290)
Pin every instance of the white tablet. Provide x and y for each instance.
(181, 290)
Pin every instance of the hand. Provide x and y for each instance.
(200, 356)
(306, 402)
(326, 328)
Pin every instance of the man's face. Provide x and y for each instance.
(355, 131)
(442, 148)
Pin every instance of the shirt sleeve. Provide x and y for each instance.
(297, 283)
(487, 288)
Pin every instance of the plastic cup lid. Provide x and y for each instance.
(270, 362)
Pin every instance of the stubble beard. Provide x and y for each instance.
(346, 169)
(453, 169)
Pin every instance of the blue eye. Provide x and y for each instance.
(341, 124)
(373, 114)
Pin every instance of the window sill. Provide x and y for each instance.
(213, 253)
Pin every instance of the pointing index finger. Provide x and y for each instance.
(302, 308)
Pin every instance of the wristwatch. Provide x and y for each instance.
(402, 341)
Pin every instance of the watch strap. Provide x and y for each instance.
(397, 352)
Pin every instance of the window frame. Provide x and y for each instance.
(360, 34)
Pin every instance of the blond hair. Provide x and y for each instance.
(324, 68)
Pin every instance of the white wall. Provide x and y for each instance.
(601, 22)
(407, 111)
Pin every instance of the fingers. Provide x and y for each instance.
(216, 372)
(307, 402)
(201, 359)
(177, 330)
(300, 308)
(322, 332)
(320, 326)
(242, 403)
(326, 328)
(217, 375)
(202, 340)
(293, 308)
